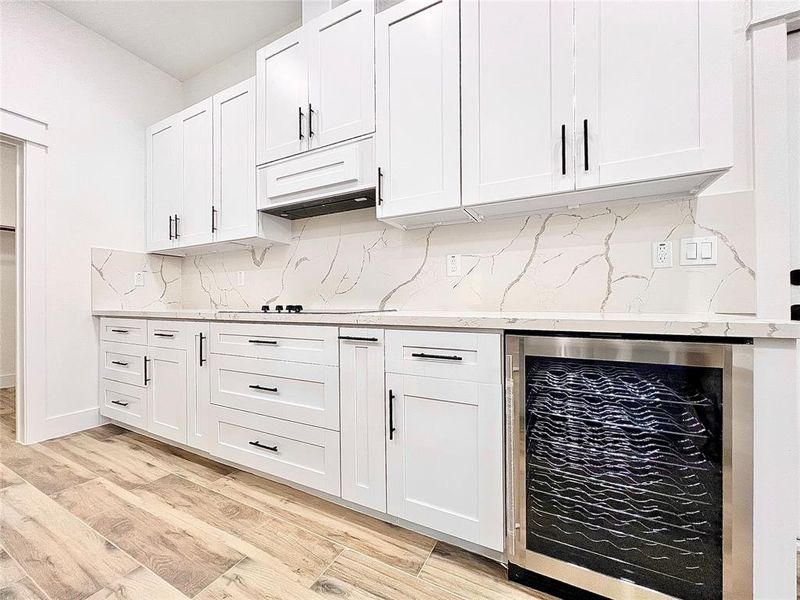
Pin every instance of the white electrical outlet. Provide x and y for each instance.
(138, 279)
(662, 255)
(240, 278)
(454, 265)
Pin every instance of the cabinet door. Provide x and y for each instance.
(341, 73)
(418, 138)
(166, 393)
(517, 91)
(444, 456)
(282, 98)
(197, 156)
(198, 390)
(235, 162)
(653, 89)
(362, 402)
(163, 182)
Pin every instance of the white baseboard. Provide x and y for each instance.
(7, 381)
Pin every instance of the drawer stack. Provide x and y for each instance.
(275, 400)
(143, 375)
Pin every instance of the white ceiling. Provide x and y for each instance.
(182, 37)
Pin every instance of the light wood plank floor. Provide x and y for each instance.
(112, 514)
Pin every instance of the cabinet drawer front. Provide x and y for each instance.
(130, 331)
(123, 402)
(299, 453)
(450, 355)
(302, 393)
(294, 343)
(122, 362)
(167, 334)
(307, 173)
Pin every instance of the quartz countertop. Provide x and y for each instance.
(710, 325)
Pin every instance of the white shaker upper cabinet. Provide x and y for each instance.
(341, 73)
(653, 89)
(234, 210)
(282, 98)
(517, 99)
(163, 182)
(418, 136)
(194, 215)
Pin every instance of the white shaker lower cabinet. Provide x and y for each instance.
(166, 393)
(198, 385)
(445, 456)
(362, 407)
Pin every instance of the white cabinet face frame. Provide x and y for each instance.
(234, 203)
(282, 98)
(362, 407)
(445, 456)
(661, 110)
(418, 128)
(163, 182)
(341, 73)
(517, 99)
(194, 214)
(166, 393)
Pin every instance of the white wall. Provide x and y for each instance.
(230, 71)
(8, 273)
(97, 99)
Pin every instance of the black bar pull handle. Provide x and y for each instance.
(310, 126)
(586, 144)
(164, 335)
(299, 122)
(355, 338)
(177, 220)
(120, 331)
(146, 378)
(391, 415)
(563, 149)
(170, 228)
(202, 360)
(268, 342)
(441, 356)
(120, 403)
(119, 362)
(213, 219)
(380, 186)
(258, 444)
(261, 388)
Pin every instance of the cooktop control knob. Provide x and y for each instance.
(265, 308)
(279, 307)
(298, 308)
(295, 308)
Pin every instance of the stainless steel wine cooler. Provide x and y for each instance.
(621, 470)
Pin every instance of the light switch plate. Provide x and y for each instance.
(662, 255)
(699, 251)
(454, 265)
(138, 279)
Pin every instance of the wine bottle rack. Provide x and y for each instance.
(624, 471)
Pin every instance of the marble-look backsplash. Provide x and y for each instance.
(588, 259)
(113, 280)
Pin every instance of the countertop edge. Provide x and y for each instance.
(669, 325)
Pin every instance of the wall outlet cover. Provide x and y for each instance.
(138, 279)
(240, 278)
(454, 265)
(662, 255)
